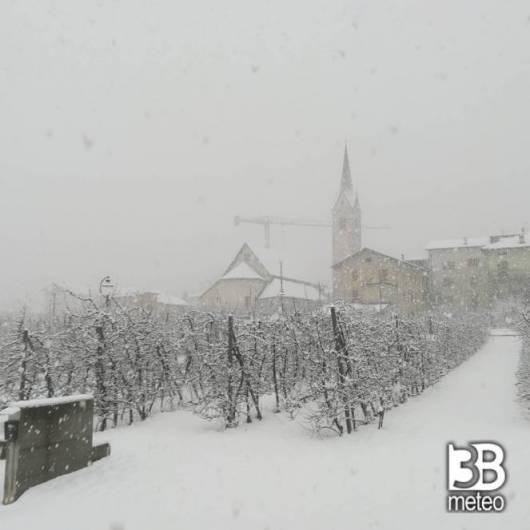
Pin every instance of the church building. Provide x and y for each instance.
(364, 276)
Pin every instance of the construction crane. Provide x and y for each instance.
(267, 221)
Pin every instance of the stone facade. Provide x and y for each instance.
(508, 269)
(370, 278)
(477, 272)
(458, 275)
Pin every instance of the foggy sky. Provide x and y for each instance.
(132, 132)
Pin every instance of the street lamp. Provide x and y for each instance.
(106, 288)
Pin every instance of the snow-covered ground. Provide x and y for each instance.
(177, 472)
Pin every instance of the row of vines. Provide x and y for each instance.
(334, 368)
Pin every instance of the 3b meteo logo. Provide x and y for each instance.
(471, 471)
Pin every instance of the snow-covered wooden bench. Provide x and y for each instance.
(45, 438)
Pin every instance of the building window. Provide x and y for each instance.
(473, 262)
(502, 270)
(447, 283)
(451, 265)
(354, 275)
(342, 223)
(474, 300)
(383, 275)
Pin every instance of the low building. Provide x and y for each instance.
(508, 267)
(478, 272)
(151, 300)
(458, 272)
(289, 296)
(61, 301)
(237, 290)
(168, 305)
(253, 282)
(371, 278)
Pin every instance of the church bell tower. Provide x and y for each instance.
(346, 217)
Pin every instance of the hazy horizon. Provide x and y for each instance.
(132, 133)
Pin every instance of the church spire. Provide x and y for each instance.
(346, 182)
(347, 237)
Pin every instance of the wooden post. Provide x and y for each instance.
(275, 378)
(230, 419)
(340, 349)
(100, 378)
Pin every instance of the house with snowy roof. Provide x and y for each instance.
(477, 271)
(152, 300)
(508, 264)
(262, 280)
(458, 272)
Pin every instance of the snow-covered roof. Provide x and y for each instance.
(242, 271)
(161, 297)
(486, 242)
(461, 242)
(293, 265)
(132, 291)
(32, 403)
(290, 290)
(417, 258)
(267, 261)
(366, 250)
(9, 414)
(509, 242)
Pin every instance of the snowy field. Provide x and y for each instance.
(177, 472)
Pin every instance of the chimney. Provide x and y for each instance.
(522, 237)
